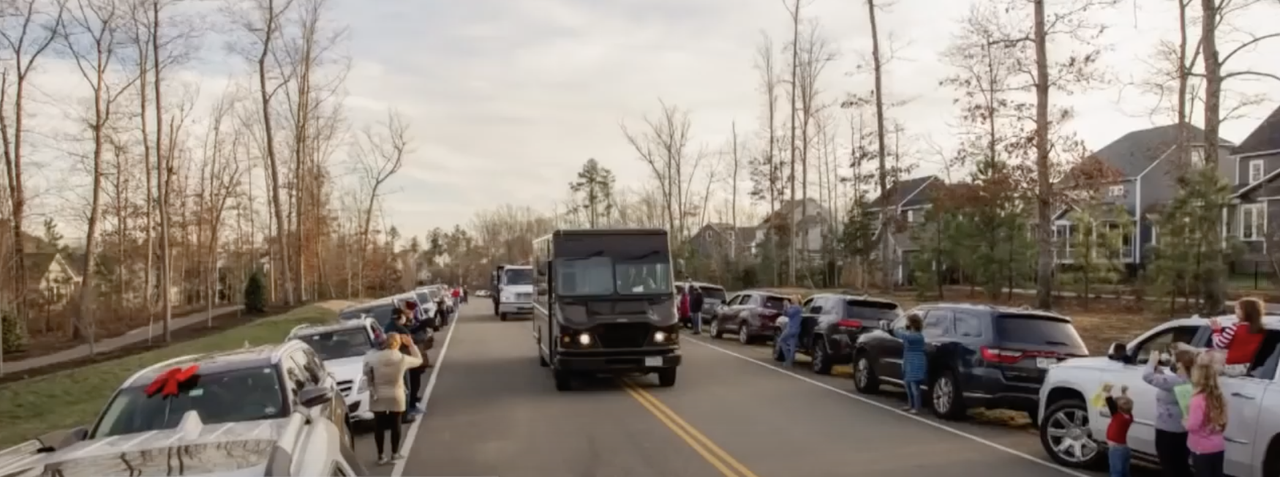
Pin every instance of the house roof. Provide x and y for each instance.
(1134, 152)
(37, 264)
(1265, 137)
(786, 209)
(902, 192)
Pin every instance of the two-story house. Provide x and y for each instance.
(1254, 170)
(906, 203)
(723, 240)
(1138, 177)
(808, 217)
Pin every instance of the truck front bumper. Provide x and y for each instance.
(579, 363)
(516, 308)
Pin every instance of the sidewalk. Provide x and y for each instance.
(109, 344)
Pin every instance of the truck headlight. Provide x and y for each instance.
(584, 339)
(660, 337)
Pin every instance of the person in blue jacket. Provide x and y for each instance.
(790, 337)
(914, 365)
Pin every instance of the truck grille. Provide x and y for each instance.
(524, 297)
(623, 335)
(345, 386)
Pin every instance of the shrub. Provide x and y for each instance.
(255, 293)
(14, 338)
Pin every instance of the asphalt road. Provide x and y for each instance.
(492, 411)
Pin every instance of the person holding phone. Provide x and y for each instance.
(385, 370)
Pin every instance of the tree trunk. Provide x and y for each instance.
(886, 209)
(1044, 189)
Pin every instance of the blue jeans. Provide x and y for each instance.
(788, 342)
(1118, 456)
(697, 322)
(913, 394)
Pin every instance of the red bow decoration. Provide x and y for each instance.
(167, 383)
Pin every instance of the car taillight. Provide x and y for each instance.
(848, 324)
(1012, 356)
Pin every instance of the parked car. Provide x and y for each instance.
(291, 444)
(430, 308)
(1072, 430)
(381, 310)
(342, 347)
(978, 356)
(712, 297)
(482, 293)
(832, 324)
(750, 314)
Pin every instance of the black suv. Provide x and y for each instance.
(978, 356)
(832, 324)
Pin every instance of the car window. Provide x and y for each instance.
(1162, 340)
(775, 303)
(712, 293)
(1039, 330)
(383, 314)
(294, 377)
(808, 304)
(339, 344)
(1268, 357)
(968, 324)
(870, 309)
(247, 394)
(937, 323)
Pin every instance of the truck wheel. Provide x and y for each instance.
(563, 380)
(502, 316)
(667, 377)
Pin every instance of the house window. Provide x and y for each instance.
(1253, 221)
(1256, 171)
(911, 216)
(1116, 191)
(1197, 156)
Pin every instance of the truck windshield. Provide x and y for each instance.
(518, 276)
(593, 276)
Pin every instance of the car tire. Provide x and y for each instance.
(820, 356)
(1061, 417)
(744, 333)
(502, 316)
(715, 330)
(945, 396)
(564, 381)
(864, 374)
(667, 377)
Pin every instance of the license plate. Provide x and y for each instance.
(653, 361)
(1045, 363)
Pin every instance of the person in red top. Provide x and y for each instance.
(1242, 340)
(1118, 452)
(684, 306)
(457, 296)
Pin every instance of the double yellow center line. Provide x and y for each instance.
(718, 458)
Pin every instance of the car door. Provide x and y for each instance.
(939, 332)
(888, 351)
(733, 316)
(1244, 396)
(1142, 434)
(720, 312)
(807, 308)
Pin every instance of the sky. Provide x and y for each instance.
(507, 98)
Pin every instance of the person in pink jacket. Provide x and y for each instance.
(1206, 419)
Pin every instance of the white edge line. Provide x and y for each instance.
(856, 397)
(407, 445)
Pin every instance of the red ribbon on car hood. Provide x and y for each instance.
(167, 383)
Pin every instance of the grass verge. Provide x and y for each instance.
(73, 397)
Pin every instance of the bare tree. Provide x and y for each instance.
(90, 37)
(379, 154)
(29, 28)
(663, 146)
(882, 179)
(815, 55)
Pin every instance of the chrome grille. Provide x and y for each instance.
(345, 386)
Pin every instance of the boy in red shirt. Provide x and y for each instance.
(1118, 452)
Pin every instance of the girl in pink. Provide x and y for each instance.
(1206, 419)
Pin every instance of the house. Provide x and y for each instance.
(906, 203)
(722, 239)
(808, 218)
(1140, 177)
(49, 274)
(1255, 176)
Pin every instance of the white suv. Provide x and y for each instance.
(1072, 430)
(342, 346)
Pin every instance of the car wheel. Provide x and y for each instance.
(820, 357)
(715, 330)
(864, 375)
(564, 381)
(667, 377)
(946, 397)
(744, 333)
(1066, 437)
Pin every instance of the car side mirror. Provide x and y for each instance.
(1118, 352)
(314, 396)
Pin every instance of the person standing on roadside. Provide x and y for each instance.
(695, 307)
(385, 370)
(1206, 419)
(914, 366)
(789, 340)
(1171, 436)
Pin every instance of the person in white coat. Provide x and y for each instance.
(385, 370)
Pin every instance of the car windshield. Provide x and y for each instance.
(1039, 331)
(383, 314)
(339, 344)
(591, 276)
(249, 394)
(877, 310)
(712, 293)
(519, 276)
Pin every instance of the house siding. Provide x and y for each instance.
(1270, 164)
(1127, 200)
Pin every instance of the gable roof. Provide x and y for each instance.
(1134, 152)
(785, 210)
(1265, 137)
(900, 193)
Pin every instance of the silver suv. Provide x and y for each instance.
(1072, 430)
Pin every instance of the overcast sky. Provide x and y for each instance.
(507, 98)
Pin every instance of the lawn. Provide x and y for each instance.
(40, 405)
